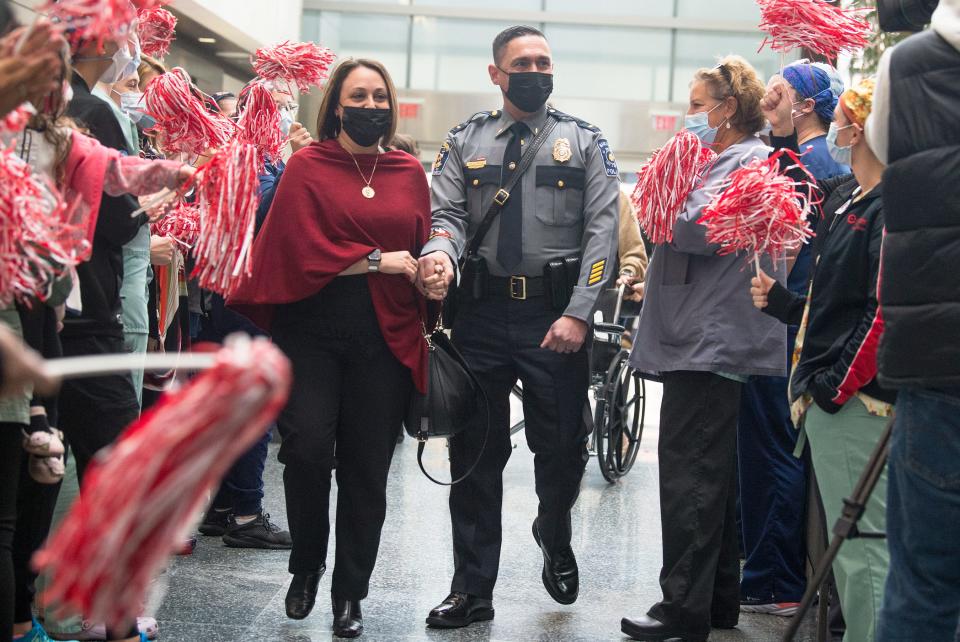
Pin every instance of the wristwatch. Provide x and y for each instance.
(373, 259)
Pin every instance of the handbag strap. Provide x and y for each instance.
(483, 446)
(503, 194)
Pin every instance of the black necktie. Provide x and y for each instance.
(510, 239)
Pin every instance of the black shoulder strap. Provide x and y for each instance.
(500, 198)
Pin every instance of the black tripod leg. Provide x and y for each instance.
(846, 526)
(823, 613)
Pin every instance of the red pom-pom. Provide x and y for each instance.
(666, 180)
(300, 63)
(156, 30)
(16, 120)
(182, 224)
(259, 122)
(227, 197)
(139, 502)
(41, 237)
(96, 20)
(817, 25)
(186, 123)
(758, 210)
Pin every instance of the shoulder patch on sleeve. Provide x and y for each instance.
(597, 270)
(559, 115)
(609, 160)
(442, 157)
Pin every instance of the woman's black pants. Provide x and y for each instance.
(348, 400)
(700, 578)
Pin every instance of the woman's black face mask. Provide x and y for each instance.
(529, 90)
(365, 126)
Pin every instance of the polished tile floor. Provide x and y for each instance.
(224, 594)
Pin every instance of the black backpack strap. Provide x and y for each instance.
(500, 198)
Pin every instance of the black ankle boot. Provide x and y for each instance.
(347, 618)
(302, 594)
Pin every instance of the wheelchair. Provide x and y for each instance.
(619, 392)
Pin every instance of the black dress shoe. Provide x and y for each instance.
(653, 630)
(460, 609)
(347, 618)
(302, 594)
(560, 576)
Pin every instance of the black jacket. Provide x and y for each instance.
(101, 276)
(838, 357)
(920, 292)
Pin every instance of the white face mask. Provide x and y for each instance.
(121, 61)
(286, 121)
(131, 102)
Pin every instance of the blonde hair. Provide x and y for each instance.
(328, 123)
(736, 77)
(149, 65)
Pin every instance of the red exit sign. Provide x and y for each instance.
(665, 122)
(409, 110)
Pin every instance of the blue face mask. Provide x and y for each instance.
(699, 125)
(843, 155)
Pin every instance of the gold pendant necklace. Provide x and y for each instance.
(367, 191)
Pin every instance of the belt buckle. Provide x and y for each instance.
(500, 198)
(518, 288)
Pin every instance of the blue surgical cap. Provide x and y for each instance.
(818, 82)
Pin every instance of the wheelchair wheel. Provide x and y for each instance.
(618, 418)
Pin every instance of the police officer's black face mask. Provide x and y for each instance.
(529, 90)
(365, 126)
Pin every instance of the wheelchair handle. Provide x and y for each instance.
(616, 310)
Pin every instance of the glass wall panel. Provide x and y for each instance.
(696, 49)
(732, 10)
(520, 5)
(646, 8)
(362, 35)
(611, 62)
(451, 54)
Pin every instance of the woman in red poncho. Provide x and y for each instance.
(333, 281)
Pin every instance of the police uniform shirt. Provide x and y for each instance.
(570, 198)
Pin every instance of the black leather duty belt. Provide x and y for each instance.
(519, 288)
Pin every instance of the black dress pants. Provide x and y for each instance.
(700, 578)
(500, 339)
(10, 451)
(349, 397)
(94, 411)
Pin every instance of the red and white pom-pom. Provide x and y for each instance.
(16, 120)
(96, 20)
(156, 29)
(141, 499)
(666, 180)
(227, 197)
(300, 63)
(259, 122)
(186, 123)
(817, 25)
(182, 224)
(40, 236)
(758, 210)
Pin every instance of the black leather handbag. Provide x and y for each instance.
(453, 399)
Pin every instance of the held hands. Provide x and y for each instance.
(436, 274)
(399, 263)
(566, 335)
(299, 137)
(760, 288)
(777, 108)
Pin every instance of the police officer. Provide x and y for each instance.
(524, 312)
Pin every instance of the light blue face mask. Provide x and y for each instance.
(699, 125)
(843, 155)
(286, 121)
